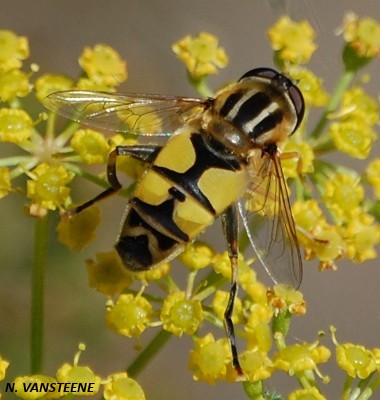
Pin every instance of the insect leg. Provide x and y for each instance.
(289, 155)
(142, 153)
(145, 153)
(230, 221)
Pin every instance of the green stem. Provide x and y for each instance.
(200, 84)
(50, 126)
(342, 85)
(347, 388)
(16, 160)
(254, 390)
(90, 177)
(148, 353)
(37, 304)
(366, 394)
(375, 384)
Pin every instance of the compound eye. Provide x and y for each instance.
(264, 72)
(299, 104)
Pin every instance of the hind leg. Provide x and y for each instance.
(144, 153)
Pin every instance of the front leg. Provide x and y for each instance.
(146, 153)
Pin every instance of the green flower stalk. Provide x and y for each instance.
(334, 215)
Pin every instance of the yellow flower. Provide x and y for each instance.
(75, 374)
(353, 137)
(5, 182)
(303, 164)
(353, 133)
(257, 328)
(256, 365)
(376, 353)
(310, 85)
(130, 315)
(293, 41)
(78, 231)
(222, 265)
(152, 274)
(197, 255)
(358, 104)
(301, 357)
(200, 54)
(319, 239)
(13, 50)
(121, 387)
(47, 188)
(107, 274)
(219, 305)
(373, 176)
(209, 359)
(327, 245)
(180, 315)
(257, 291)
(91, 146)
(286, 297)
(14, 83)
(25, 384)
(50, 83)
(88, 84)
(16, 126)
(3, 367)
(343, 195)
(309, 220)
(311, 393)
(356, 360)
(362, 34)
(103, 65)
(362, 235)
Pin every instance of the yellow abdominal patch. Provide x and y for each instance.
(222, 187)
(153, 188)
(178, 155)
(191, 217)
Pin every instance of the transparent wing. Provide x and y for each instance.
(139, 114)
(269, 223)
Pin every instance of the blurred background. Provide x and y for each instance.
(142, 32)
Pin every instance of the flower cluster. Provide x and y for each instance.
(73, 379)
(348, 125)
(259, 315)
(49, 160)
(334, 218)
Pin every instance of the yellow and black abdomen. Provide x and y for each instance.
(192, 180)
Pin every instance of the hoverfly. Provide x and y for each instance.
(222, 158)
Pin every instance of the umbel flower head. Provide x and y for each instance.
(103, 65)
(16, 126)
(130, 315)
(210, 359)
(356, 360)
(49, 159)
(47, 187)
(13, 50)
(121, 387)
(180, 315)
(294, 41)
(362, 34)
(200, 54)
